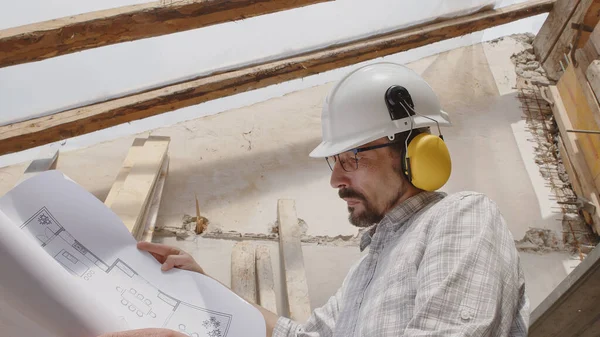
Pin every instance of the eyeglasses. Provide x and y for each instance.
(348, 160)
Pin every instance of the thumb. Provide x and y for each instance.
(184, 261)
(178, 261)
(171, 262)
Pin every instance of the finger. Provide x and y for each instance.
(157, 248)
(148, 332)
(158, 257)
(178, 261)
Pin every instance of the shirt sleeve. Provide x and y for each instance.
(469, 279)
(320, 324)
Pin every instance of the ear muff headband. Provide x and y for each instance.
(428, 165)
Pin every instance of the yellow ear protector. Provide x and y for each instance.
(426, 159)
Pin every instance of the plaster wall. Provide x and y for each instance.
(240, 162)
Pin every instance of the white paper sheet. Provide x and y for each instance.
(87, 244)
(34, 289)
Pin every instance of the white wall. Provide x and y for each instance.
(55, 84)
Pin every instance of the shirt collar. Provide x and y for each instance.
(395, 218)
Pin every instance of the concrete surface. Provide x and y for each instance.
(326, 266)
(241, 161)
(543, 272)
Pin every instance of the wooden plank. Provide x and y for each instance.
(590, 19)
(132, 199)
(47, 161)
(43, 40)
(133, 154)
(582, 108)
(266, 285)
(575, 182)
(243, 271)
(577, 159)
(590, 51)
(593, 77)
(573, 176)
(293, 261)
(555, 23)
(571, 309)
(587, 12)
(154, 206)
(35, 132)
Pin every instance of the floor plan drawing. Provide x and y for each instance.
(134, 298)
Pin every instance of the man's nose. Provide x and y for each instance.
(339, 177)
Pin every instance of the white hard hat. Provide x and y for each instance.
(355, 111)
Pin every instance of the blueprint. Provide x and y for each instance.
(87, 242)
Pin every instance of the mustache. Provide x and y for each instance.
(350, 193)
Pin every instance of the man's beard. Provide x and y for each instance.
(370, 215)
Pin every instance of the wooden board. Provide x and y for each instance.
(581, 108)
(575, 182)
(154, 206)
(555, 23)
(132, 199)
(133, 154)
(586, 54)
(264, 279)
(47, 161)
(293, 261)
(571, 309)
(573, 176)
(42, 40)
(593, 77)
(243, 271)
(591, 16)
(587, 12)
(571, 143)
(35, 132)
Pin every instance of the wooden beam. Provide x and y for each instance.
(264, 278)
(593, 77)
(133, 154)
(243, 271)
(555, 24)
(587, 12)
(581, 108)
(293, 261)
(152, 211)
(132, 199)
(39, 41)
(576, 158)
(576, 183)
(45, 162)
(589, 19)
(35, 132)
(573, 175)
(590, 51)
(571, 309)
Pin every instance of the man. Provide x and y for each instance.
(437, 265)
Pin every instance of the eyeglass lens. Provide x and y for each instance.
(347, 160)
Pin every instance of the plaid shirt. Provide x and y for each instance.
(437, 265)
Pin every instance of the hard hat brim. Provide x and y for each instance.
(326, 149)
(330, 148)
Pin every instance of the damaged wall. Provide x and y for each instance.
(92, 75)
(240, 162)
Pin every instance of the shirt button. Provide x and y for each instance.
(466, 314)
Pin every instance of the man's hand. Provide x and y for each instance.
(170, 257)
(145, 333)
